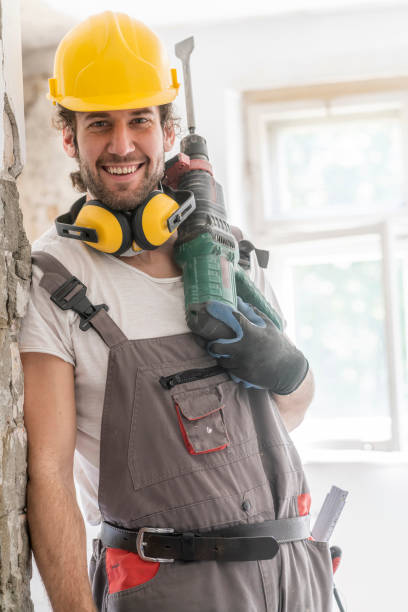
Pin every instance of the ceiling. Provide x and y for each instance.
(44, 22)
(163, 12)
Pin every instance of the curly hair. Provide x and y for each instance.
(66, 118)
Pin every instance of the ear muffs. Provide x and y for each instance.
(112, 227)
(149, 221)
(115, 232)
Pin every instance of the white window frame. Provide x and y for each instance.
(284, 234)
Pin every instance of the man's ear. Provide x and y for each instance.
(169, 137)
(68, 142)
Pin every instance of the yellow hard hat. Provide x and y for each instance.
(111, 61)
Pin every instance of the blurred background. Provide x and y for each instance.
(304, 105)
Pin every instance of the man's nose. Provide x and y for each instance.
(121, 142)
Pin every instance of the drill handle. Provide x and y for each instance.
(250, 293)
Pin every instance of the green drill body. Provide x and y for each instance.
(206, 249)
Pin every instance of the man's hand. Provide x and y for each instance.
(251, 347)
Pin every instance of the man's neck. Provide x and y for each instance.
(159, 263)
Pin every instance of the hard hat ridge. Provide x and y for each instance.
(111, 62)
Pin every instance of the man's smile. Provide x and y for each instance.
(123, 171)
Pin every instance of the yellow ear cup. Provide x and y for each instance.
(154, 218)
(112, 228)
(149, 221)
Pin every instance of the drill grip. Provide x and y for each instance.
(250, 293)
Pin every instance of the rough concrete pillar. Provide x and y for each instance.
(15, 561)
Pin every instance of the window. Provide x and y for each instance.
(328, 176)
(343, 162)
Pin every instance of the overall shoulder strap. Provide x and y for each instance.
(68, 293)
(245, 248)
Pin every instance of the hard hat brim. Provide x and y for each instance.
(113, 102)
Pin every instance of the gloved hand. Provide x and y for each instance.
(250, 347)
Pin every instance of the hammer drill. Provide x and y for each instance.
(206, 249)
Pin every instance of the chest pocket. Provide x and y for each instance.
(193, 427)
(201, 419)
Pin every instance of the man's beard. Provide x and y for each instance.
(122, 197)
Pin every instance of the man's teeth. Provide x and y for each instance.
(119, 170)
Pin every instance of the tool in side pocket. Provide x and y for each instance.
(324, 526)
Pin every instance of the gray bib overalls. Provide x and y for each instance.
(195, 454)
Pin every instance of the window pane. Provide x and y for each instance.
(339, 322)
(346, 164)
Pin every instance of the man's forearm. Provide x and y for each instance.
(293, 407)
(59, 543)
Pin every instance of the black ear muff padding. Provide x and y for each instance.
(76, 207)
(124, 222)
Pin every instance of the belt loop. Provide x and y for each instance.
(96, 547)
(188, 546)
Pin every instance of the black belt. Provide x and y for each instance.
(247, 542)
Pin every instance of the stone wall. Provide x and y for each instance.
(15, 559)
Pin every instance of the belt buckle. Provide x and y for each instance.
(140, 543)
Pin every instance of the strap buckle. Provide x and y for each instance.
(140, 543)
(72, 296)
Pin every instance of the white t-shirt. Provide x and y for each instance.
(142, 306)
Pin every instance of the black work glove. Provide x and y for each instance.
(250, 347)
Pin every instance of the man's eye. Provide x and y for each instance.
(97, 124)
(140, 120)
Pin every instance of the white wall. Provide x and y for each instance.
(266, 53)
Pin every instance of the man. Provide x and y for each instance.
(202, 462)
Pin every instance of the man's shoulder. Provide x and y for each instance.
(72, 254)
(51, 243)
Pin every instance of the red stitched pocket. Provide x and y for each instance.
(201, 419)
(126, 569)
(204, 434)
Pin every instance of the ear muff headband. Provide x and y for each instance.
(149, 222)
(112, 227)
